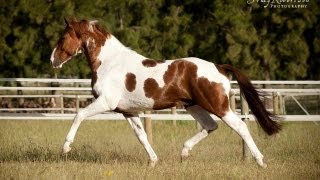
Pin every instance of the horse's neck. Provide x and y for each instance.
(112, 48)
(101, 53)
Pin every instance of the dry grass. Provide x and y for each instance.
(109, 150)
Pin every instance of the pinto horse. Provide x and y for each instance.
(126, 82)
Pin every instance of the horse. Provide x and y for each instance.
(126, 82)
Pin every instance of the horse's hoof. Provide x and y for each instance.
(153, 163)
(184, 157)
(65, 150)
(264, 165)
(184, 153)
(261, 163)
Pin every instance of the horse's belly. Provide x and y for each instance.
(130, 104)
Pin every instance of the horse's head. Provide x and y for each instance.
(79, 36)
(68, 46)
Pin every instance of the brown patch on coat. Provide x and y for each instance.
(84, 29)
(182, 86)
(130, 82)
(94, 76)
(75, 37)
(151, 62)
(86, 36)
(211, 96)
(96, 37)
(66, 47)
(93, 38)
(177, 85)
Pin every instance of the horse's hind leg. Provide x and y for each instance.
(208, 124)
(241, 128)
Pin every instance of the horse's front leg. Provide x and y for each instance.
(98, 106)
(137, 127)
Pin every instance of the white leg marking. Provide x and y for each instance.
(137, 126)
(97, 107)
(207, 123)
(241, 128)
(190, 143)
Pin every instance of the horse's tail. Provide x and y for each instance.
(253, 98)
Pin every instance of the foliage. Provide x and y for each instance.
(267, 43)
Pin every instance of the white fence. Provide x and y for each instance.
(80, 89)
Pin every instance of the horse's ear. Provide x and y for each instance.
(66, 21)
(93, 22)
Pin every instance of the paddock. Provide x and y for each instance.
(109, 150)
(31, 141)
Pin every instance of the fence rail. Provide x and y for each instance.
(277, 94)
(49, 80)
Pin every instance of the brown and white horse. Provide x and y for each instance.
(127, 82)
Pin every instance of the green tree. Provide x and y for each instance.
(266, 43)
(282, 47)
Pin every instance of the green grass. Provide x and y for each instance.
(110, 150)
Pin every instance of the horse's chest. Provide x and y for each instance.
(97, 89)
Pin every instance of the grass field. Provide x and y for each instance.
(110, 150)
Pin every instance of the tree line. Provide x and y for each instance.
(266, 43)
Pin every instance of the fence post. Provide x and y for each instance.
(233, 101)
(148, 126)
(20, 92)
(77, 103)
(275, 98)
(174, 112)
(61, 103)
(245, 111)
(281, 104)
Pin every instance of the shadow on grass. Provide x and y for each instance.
(84, 153)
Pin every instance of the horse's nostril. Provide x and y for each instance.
(55, 63)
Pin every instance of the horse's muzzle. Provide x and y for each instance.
(56, 64)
